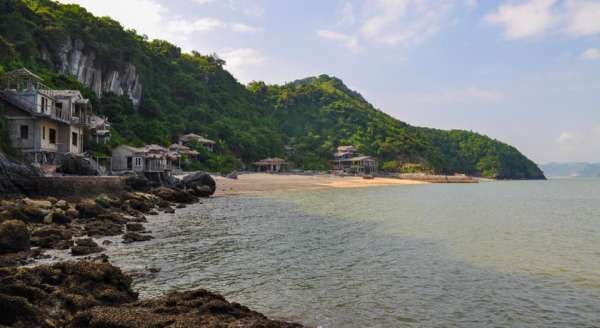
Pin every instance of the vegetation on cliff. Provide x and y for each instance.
(194, 93)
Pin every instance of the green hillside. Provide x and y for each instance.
(193, 93)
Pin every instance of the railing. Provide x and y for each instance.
(20, 101)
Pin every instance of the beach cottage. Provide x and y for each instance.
(271, 165)
(189, 138)
(149, 159)
(347, 159)
(44, 123)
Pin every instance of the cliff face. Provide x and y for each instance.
(77, 60)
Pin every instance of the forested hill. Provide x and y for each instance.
(153, 92)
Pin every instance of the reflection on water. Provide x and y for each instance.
(494, 254)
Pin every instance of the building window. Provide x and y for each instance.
(138, 161)
(44, 132)
(129, 163)
(52, 136)
(74, 138)
(24, 131)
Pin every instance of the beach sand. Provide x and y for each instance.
(257, 183)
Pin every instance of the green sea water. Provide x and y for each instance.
(494, 254)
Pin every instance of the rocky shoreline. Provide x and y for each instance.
(91, 292)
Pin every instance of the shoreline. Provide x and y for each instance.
(263, 183)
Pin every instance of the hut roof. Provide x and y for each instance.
(192, 136)
(23, 72)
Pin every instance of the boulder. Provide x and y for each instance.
(57, 216)
(62, 204)
(132, 237)
(16, 179)
(89, 209)
(44, 204)
(138, 183)
(49, 296)
(201, 184)
(174, 195)
(52, 237)
(135, 227)
(14, 237)
(101, 228)
(74, 164)
(85, 246)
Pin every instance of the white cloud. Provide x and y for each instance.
(199, 25)
(203, 2)
(583, 17)
(347, 40)
(590, 54)
(525, 20)
(241, 61)
(391, 22)
(243, 28)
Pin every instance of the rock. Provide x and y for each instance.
(203, 191)
(107, 202)
(107, 242)
(53, 237)
(57, 216)
(89, 209)
(62, 204)
(152, 212)
(132, 237)
(31, 213)
(115, 217)
(135, 227)
(169, 210)
(14, 237)
(45, 204)
(19, 259)
(138, 183)
(232, 175)
(101, 228)
(48, 296)
(197, 308)
(72, 213)
(180, 206)
(174, 195)
(85, 246)
(75, 164)
(199, 179)
(16, 179)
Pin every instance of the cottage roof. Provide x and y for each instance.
(23, 72)
(346, 149)
(192, 136)
(356, 159)
(178, 147)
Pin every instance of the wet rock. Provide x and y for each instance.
(107, 202)
(132, 237)
(62, 204)
(14, 237)
(31, 213)
(19, 259)
(138, 183)
(53, 237)
(107, 242)
(57, 216)
(101, 228)
(89, 209)
(180, 206)
(135, 227)
(169, 210)
(200, 184)
(199, 308)
(174, 195)
(49, 296)
(85, 246)
(115, 217)
(45, 204)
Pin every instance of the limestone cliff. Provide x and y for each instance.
(75, 59)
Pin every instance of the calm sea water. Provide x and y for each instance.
(497, 254)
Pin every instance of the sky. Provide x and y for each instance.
(526, 72)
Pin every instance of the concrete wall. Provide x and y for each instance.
(45, 142)
(77, 187)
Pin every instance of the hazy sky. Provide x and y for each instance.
(525, 72)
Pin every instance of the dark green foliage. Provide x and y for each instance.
(193, 93)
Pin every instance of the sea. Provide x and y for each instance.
(493, 254)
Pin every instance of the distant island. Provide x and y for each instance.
(583, 170)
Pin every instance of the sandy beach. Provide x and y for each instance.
(256, 183)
